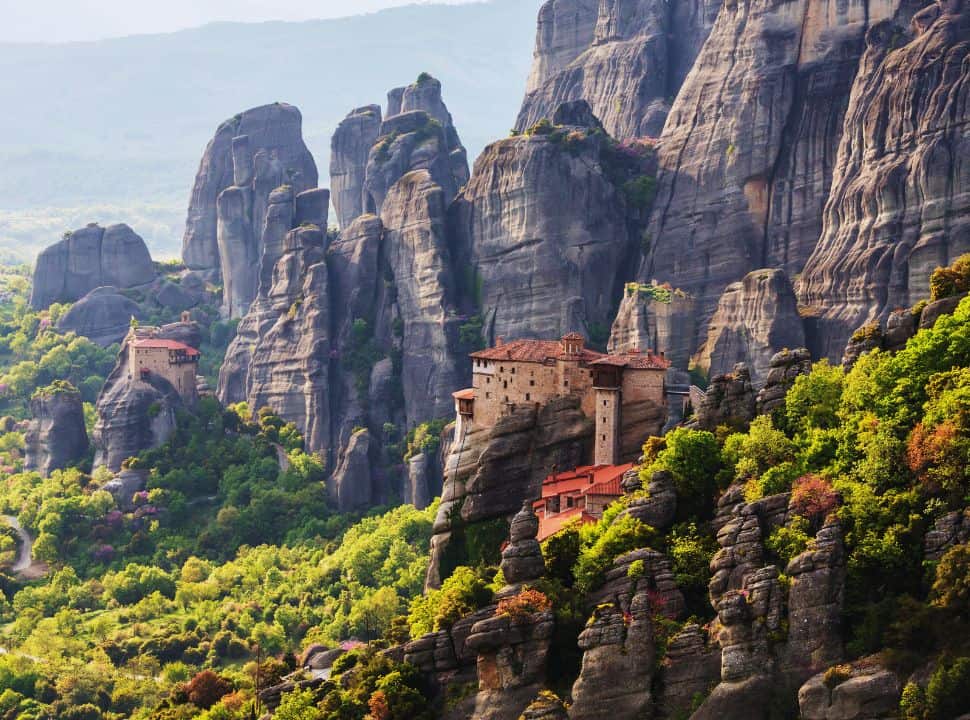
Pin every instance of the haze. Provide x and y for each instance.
(59, 21)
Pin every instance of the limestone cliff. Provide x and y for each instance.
(90, 258)
(546, 230)
(56, 437)
(627, 58)
(748, 151)
(257, 150)
(901, 192)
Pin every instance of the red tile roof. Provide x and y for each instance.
(467, 394)
(586, 480)
(174, 345)
(635, 361)
(549, 526)
(535, 351)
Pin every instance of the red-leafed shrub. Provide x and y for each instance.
(524, 605)
(813, 497)
(207, 688)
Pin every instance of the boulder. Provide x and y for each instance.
(522, 560)
(124, 486)
(869, 693)
(103, 316)
(730, 400)
(784, 369)
(350, 486)
(90, 258)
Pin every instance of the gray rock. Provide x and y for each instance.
(900, 196)
(273, 154)
(87, 259)
(349, 149)
(56, 437)
(871, 693)
(103, 316)
(755, 318)
(730, 400)
(625, 57)
(645, 323)
(784, 369)
(350, 486)
(124, 486)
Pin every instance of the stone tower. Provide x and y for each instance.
(608, 401)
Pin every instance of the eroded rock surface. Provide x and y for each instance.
(272, 154)
(349, 149)
(755, 318)
(56, 436)
(90, 258)
(103, 316)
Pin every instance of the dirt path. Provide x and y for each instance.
(24, 564)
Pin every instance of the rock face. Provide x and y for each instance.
(625, 57)
(785, 367)
(56, 437)
(522, 559)
(755, 318)
(272, 154)
(748, 151)
(730, 400)
(491, 473)
(136, 413)
(349, 149)
(90, 258)
(870, 692)
(350, 486)
(103, 316)
(652, 318)
(547, 233)
(901, 190)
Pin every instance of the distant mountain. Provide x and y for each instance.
(113, 131)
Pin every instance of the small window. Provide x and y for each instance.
(506, 398)
(604, 403)
(505, 384)
(488, 396)
(604, 419)
(488, 380)
(501, 368)
(528, 397)
(604, 438)
(565, 383)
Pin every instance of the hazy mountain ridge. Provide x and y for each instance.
(176, 88)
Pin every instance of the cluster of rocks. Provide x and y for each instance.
(730, 400)
(784, 368)
(900, 326)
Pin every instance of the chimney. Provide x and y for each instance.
(500, 341)
(186, 316)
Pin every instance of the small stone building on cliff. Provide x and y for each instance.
(625, 392)
(174, 361)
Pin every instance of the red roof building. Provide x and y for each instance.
(581, 494)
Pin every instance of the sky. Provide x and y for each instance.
(59, 21)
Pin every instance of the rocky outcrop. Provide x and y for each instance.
(260, 149)
(56, 437)
(659, 508)
(90, 258)
(419, 258)
(350, 486)
(747, 154)
(784, 369)
(491, 472)
(653, 318)
(137, 413)
(949, 530)
(626, 58)
(103, 316)
(124, 486)
(522, 558)
(730, 400)
(512, 653)
(900, 197)
(755, 318)
(690, 669)
(349, 149)
(815, 604)
(546, 233)
(869, 692)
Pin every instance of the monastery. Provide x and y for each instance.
(625, 393)
(174, 361)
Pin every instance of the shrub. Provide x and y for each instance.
(948, 692)
(788, 541)
(836, 675)
(607, 542)
(207, 688)
(524, 605)
(693, 458)
(950, 281)
(951, 588)
(691, 552)
(462, 593)
(813, 498)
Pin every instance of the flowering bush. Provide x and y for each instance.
(813, 497)
(524, 605)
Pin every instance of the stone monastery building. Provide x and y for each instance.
(171, 360)
(625, 393)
